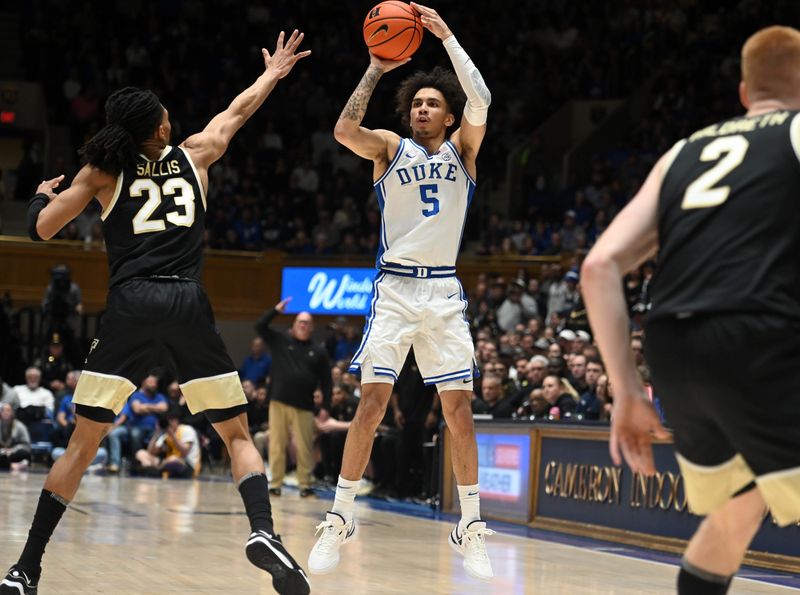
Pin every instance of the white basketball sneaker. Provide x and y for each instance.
(471, 544)
(324, 556)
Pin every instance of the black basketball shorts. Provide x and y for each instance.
(730, 388)
(152, 322)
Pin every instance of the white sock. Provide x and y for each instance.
(470, 499)
(345, 498)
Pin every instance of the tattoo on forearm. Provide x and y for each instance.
(357, 104)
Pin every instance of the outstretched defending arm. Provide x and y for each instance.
(210, 144)
(473, 123)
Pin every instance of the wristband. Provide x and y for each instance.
(35, 206)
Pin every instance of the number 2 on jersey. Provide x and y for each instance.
(184, 197)
(425, 191)
(701, 193)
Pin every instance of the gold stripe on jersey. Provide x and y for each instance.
(114, 198)
(709, 488)
(215, 392)
(103, 390)
(781, 490)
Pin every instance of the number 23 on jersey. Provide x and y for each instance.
(183, 196)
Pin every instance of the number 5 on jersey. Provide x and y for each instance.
(425, 191)
(177, 187)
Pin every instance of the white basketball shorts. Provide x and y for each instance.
(429, 314)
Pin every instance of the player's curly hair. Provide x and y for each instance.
(443, 80)
(132, 115)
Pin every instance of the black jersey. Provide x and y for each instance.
(729, 220)
(154, 224)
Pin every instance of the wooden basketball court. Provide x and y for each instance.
(142, 536)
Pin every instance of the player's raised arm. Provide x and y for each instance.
(469, 136)
(210, 144)
(366, 143)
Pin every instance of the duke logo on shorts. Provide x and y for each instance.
(417, 299)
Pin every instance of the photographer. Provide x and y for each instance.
(174, 449)
(61, 306)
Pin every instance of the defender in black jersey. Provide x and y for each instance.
(723, 211)
(154, 202)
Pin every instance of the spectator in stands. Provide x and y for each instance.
(494, 402)
(300, 367)
(558, 396)
(54, 365)
(35, 401)
(137, 421)
(569, 232)
(606, 397)
(174, 449)
(347, 343)
(589, 405)
(258, 419)
(65, 417)
(564, 294)
(577, 372)
(637, 346)
(517, 307)
(256, 366)
(535, 372)
(535, 406)
(332, 426)
(499, 370)
(15, 443)
(8, 395)
(534, 291)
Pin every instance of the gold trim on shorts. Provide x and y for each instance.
(709, 488)
(781, 490)
(215, 392)
(103, 390)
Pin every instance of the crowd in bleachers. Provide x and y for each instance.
(286, 184)
(533, 349)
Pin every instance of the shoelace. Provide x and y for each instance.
(476, 539)
(329, 538)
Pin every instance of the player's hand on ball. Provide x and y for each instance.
(48, 186)
(633, 426)
(432, 21)
(386, 65)
(284, 57)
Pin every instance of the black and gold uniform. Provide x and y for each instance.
(724, 329)
(157, 311)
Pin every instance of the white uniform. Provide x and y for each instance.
(417, 299)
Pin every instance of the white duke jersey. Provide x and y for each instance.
(424, 201)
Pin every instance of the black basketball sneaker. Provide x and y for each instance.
(17, 582)
(268, 553)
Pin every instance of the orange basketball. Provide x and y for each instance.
(392, 30)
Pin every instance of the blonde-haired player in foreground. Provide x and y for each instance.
(424, 185)
(721, 207)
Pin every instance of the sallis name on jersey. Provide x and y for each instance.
(427, 171)
(153, 169)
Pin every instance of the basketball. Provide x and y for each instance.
(392, 30)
